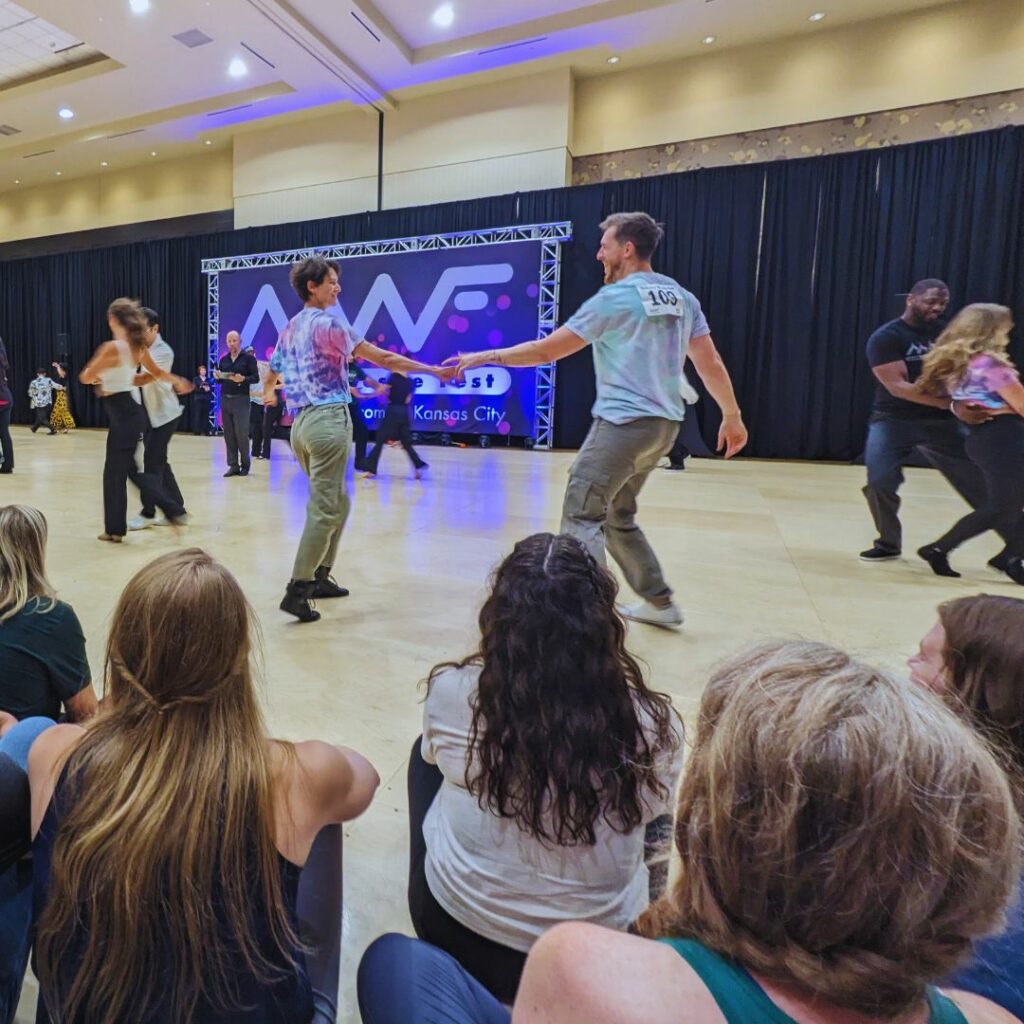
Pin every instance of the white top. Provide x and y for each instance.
(502, 883)
(120, 378)
(162, 405)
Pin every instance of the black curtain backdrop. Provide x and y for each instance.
(795, 262)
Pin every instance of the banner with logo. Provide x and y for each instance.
(429, 305)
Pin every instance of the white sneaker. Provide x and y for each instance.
(669, 617)
(161, 520)
(139, 523)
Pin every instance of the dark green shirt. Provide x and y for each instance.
(42, 660)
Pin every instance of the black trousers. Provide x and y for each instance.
(360, 434)
(199, 414)
(256, 428)
(997, 449)
(496, 967)
(680, 452)
(271, 418)
(234, 411)
(156, 481)
(6, 446)
(41, 417)
(395, 426)
(890, 443)
(127, 423)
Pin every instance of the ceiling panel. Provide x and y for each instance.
(31, 46)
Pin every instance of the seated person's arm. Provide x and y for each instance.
(83, 705)
(44, 763)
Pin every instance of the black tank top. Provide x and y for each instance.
(287, 1001)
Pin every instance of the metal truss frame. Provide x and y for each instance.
(551, 235)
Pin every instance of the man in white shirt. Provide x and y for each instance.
(156, 481)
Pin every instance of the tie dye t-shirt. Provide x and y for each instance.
(312, 355)
(640, 329)
(985, 376)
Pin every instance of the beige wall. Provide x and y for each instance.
(961, 49)
(484, 140)
(171, 188)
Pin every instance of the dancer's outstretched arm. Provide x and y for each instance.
(555, 346)
(393, 361)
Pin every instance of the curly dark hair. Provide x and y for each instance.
(311, 270)
(561, 715)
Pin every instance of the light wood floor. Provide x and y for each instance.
(753, 548)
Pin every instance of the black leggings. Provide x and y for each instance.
(394, 427)
(127, 422)
(495, 966)
(996, 447)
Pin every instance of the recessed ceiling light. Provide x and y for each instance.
(817, 16)
(139, 6)
(58, 173)
(103, 163)
(237, 68)
(614, 60)
(65, 113)
(17, 181)
(209, 142)
(708, 40)
(443, 16)
(152, 152)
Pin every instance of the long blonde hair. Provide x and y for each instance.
(130, 315)
(23, 561)
(840, 830)
(982, 327)
(165, 856)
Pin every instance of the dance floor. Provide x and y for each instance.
(753, 548)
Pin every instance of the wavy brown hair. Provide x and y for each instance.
(165, 855)
(561, 715)
(23, 561)
(131, 316)
(840, 830)
(979, 328)
(984, 656)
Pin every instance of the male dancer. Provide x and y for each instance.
(642, 326)
(163, 411)
(904, 419)
(313, 354)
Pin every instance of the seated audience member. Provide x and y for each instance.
(551, 755)
(843, 840)
(42, 648)
(15, 842)
(973, 657)
(171, 835)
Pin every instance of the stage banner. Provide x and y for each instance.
(429, 305)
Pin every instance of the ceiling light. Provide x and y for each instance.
(209, 142)
(237, 68)
(139, 6)
(152, 152)
(708, 40)
(614, 60)
(817, 16)
(58, 173)
(443, 16)
(65, 113)
(103, 163)
(17, 181)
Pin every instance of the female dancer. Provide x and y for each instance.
(6, 408)
(61, 419)
(969, 364)
(113, 368)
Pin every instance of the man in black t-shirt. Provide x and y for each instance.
(904, 420)
(397, 425)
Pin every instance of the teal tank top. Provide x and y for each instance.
(743, 1001)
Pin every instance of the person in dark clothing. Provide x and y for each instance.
(272, 417)
(236, 373)
(905, 419)
(360, 431)
(199, 411)
(6, 407)
(397, 425)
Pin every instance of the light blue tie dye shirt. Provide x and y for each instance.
(640, 329)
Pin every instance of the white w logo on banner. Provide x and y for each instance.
(384, 293)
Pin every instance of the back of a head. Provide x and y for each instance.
(981, 327)
(130, 316)
(840, 830)
(639, 228)
(558, 698)
(180, 754)
(984, 657)
(22, 559)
